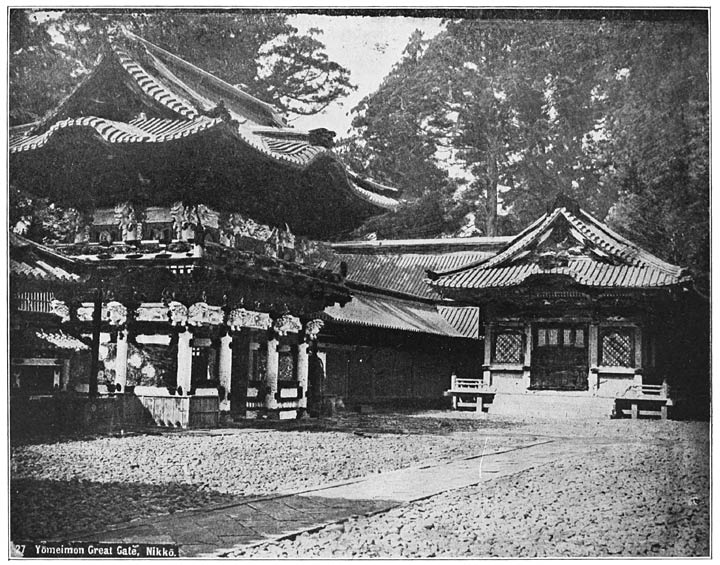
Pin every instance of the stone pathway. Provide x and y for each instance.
(216, 531)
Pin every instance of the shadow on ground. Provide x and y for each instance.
(140, 513)
(49, 509)
(394, 422)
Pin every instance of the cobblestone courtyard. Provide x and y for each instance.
(643, 492)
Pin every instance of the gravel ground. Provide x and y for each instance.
(570, 508)
(72, 486)
(648, 498)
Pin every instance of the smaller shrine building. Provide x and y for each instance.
(577, 319)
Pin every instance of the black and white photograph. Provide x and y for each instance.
(358, 283)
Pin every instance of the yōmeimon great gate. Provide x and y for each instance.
(190, 206)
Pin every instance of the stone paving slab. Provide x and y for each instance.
(215, 532)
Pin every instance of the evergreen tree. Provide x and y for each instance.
(611, 113)
(257, 50)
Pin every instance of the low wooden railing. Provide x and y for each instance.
(468, 392)
(648, 390)
(645, 400)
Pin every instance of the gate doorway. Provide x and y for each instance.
(559, 357)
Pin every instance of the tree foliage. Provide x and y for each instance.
(257, 50)
(613, 114)
(659, 141)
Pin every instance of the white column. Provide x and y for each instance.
(593, 375)
(638, 357)
(121, 354)
(487, 361)
(184, 361)
(225, 368)
(527, 356)
(302, 373)
(271, 378)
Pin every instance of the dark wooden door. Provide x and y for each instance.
(559, 358)
(200, 365)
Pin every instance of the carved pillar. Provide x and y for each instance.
(184, 361)
(225, 369)
(302, 373)
(271, 377)
(121, 354)
(312, 330)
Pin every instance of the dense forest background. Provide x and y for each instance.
(491, 114)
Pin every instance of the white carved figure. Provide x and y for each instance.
(202, 314)
(152, 313)
(241, 318)
(59, 308)
(116, 313)
(127, 220)
(178, 313)
(85, 312)
(312, 329)
(286, 324)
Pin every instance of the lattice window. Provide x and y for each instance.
(508, 347)
(617, 347)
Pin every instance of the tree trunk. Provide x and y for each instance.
(492, 196)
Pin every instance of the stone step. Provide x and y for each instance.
(560, 406)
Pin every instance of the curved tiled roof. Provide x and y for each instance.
(600, 258)
(36, 262)
(153, 87)
(199, 107)
(137, 131)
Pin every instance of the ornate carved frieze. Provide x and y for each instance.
(115, 313)
(241, 318)
(59, 308)
(202, 314)
(178, 313)
(312, 329)
(286, 324)
(187, 220)
(149, 312)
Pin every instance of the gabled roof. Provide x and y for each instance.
(569, 242)
(167, 100)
